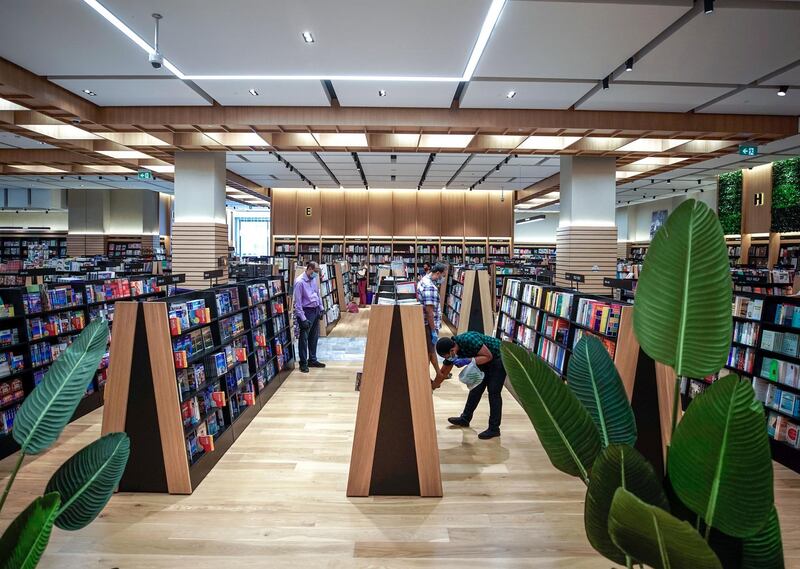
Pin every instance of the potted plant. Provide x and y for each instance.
(715, 507)
(79, 490)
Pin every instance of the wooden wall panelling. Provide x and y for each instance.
(380, 213)
(405, 212)
(356, 205)
(757, 213)
(196, 248)
(308, 224)
(332, 210)
(284, 212)
(476, 215)
(501, 214)
(429, 213)
(453, 213)
(583, 249)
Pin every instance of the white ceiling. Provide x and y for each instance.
(534, 43)
(760, 102)
(134, 92)
(9, 140)
(103, 182)
(572, 40)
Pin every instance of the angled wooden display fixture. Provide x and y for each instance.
(469, 301)
(395, 451)
(145, 399)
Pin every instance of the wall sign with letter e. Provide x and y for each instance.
(308, 212)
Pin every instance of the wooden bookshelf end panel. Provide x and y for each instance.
(119, 369)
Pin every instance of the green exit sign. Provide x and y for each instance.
(145, 175)
(748, 150)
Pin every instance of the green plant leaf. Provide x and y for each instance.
(25, 540)
(87, 481)
(593, 378)
(682, 316)
(618, 466)
(50, 406)
(655, 537)
(565, 428)
(764, 550)
(720, 464)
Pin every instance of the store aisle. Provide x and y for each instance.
(277, 498)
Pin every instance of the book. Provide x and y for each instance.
(789, 345)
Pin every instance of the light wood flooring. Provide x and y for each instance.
(277, 498)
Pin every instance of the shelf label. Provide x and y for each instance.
(575, 277)
(215, 274)
(162, 280)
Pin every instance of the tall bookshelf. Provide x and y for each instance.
(475, 251)
(380, 253)
(332, 250)
(216, 357)
(329, 289)
(406, 251)
(452, 251)
(24, 247)
(499, 250)
(427, 252)
(765, 348)
(469, 301)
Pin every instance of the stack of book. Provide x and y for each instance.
(599, 316)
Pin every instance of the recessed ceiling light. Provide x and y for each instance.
(445, 140)
(90, 93)
(124, 154)
(382, 93)
(6, 105)
(61, 131)
(511, 94)
(253, 92)
(341, 139)
(653, 144)
(483, 37)
(162, 168)
(629, 64)
(548, 142)
(783, 90)
(36, 168)
(307, 37)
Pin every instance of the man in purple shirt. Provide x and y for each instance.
(307, 312)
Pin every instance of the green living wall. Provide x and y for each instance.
(785, 195)
(730, 202)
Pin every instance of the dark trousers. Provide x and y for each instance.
(494, 378)
(307, 343)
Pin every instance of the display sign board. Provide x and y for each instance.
(145, 175)
(215, 274)
(162, 280)
(748, 150)
(625, 284)
(575, 278)
(308, 212)
(36, 272)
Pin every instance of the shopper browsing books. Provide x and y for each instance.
(307, 311)
(485, 350)
(424, 270)
(361, 277)
(428, 297)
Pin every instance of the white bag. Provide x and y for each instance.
(471, 375)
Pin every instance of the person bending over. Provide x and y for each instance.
(485, 350)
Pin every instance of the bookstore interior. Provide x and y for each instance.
(264, 291)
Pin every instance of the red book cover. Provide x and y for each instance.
(174, 326)
(261, 340)
(278, 349)
(206, 318)
(181, 361)
(241, 355)
(219, 398)
(207, 442)
(249, 398)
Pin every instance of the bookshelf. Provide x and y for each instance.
(534, 252)
(116, 249)
(331, 294)
(499, 250)
(308, 249)
(17, 247)
(331, 251)
(405, 251)
(789, 255)
(452, 251)
(427, 252)
(38, 322)
(216, 357)
(549, 321)
(638, 251)
(475, 251)
(765, 348)
(469, 301)
(380, 253)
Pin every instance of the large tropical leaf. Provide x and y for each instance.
(593, 378)
(88, 479)
(618, 466)
(720, 463)
(655, 537)
(565, 428)
(764, 550)
(25, 540)
(683, 299)
(50, 406)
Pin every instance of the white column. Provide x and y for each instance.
(200, 231)
(586, 240)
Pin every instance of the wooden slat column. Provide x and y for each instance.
(196, 248)
(589, 251)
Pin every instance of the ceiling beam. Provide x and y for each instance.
(357, 119)
(538, 189)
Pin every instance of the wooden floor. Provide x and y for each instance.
(277, 498)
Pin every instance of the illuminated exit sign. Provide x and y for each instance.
(748, 150)
(145, 175)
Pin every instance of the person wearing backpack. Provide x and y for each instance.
(460, 350)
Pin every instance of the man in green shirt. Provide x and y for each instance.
(485, 350)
